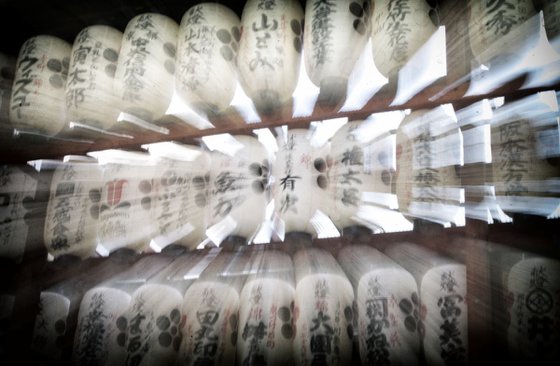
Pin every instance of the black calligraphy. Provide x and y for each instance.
(322, 30)
(453, 350)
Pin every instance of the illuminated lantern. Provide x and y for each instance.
(380, 283)
(335, 35)
(268, 298)
(207, 48)
(490, 21)
(270, 51)
(239, 187)
(37, 102)
(323, 307)
(301, 180)
(399, 29)
(90, 97)
(146, 66)
(70, 224)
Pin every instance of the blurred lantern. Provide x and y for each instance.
(7, 72)
(323, 308)
(266, 312)
(380, 283)
(490, 21)
(442, 286)
(90, 96)
(16, 189)
(146, 66)
(71, 219)
(239, 189)
(335, 35)
(301, 174)
(181, 185)
(399, 29)
(270, 51)
(124, 204)
(207, 49)
(37, 103)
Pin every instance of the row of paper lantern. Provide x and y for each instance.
(106, 72)
(401, 306)
(366, 174)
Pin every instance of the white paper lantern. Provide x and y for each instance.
(323, 308)
(301, 180)
(266, 312)
(125, 206)
(239, 186)
(90, 96)
(269, 51)
(388, 319)
(335, 35)
(70, 222)
(442, 286)
(16, 187)
(181, 200)
(37, 102)
(97, 335)
(50, 324)
(489, 21)
(207, 49)
(399, 29)
(358, 168)
(146, 66)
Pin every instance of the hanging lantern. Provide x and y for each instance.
(16, 188)
(37, 102)
(489, 21)
(90, 96)
(388, 307)
(335, 35)
(70, 224)
(267, 306)
(359, 167)
(399, 29)
(207, 49)
(124, 204)
(301, 174)
(7, 72)
(146, 66)
(180, 203)
(270, 51)
(323, 308)
(239, 187)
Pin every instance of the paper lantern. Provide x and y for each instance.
(70, 223)
(90, 96)
(269, 51)
(239, 187)
(323, 308)
(301, 180)
(97, 332)
(335, 35)
(181, 200)
(266, 311)
(146, 66)
(442, 286)
(389, 312)
(50, 324)
(7, 72)
(124, 204)
(207, 50)
(399, 29)
(489, 21)
(37, 102)
(16, 188)
(358, 168)
(211, 307)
